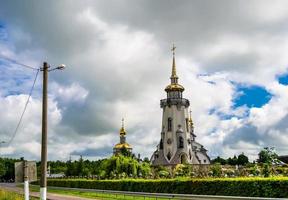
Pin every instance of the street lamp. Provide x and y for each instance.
(43, 179)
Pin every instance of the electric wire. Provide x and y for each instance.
(16, 62)
(24, 110)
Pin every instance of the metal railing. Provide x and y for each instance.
(158, 196)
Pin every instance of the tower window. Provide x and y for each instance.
(181, 142)
(169, 155)
(169, 124)
(161, 144)
(187, 124)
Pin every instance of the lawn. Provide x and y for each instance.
(7, 195)
(92, 195)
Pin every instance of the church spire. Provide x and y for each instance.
(174, 77)
(122, 130)
(174, 86)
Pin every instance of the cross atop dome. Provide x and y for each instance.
(122, 130)
(173, 49)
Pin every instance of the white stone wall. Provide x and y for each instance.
(179, 114)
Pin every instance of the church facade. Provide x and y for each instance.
(177, 144)
(122, 146)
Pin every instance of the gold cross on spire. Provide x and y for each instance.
(173, 49)
(122, 130)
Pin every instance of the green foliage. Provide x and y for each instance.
(125, 152)
(7, 195)
(242, 159)
(232, 161)
(268, 155)
(220, 160)
(119, 166)
(254, 187)
(2, 169)
(255, 171)
(7, 169)
(266, 170)
(216, 170)
(163, 174)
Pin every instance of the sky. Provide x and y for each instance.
(231, 58)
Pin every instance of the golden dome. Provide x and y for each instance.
(124, 145)
(174, 87)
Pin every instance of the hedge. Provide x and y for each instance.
(250, 187)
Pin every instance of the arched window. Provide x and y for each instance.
(169, 155)
(187, 124)
(169, 124)
(181, 142)
(183, 159)
(161, 144)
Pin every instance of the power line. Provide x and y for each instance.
(25, 107)
(16, 62)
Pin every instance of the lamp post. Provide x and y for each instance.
(43, 180)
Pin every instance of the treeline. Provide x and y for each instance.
(236, 160)
(267, 155)
(7, 169)
(116, 166)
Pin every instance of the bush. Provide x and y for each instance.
(253, 187)
(216, 170)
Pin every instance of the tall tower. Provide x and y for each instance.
(177, 144)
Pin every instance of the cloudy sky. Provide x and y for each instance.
(231, 58)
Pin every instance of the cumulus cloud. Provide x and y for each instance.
(118, 63)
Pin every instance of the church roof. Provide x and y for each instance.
(174, 87)
(121, 146)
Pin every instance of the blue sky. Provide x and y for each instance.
(119, 64)
(251, 96)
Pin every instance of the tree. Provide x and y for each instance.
(268, 156)
(232, 161)
(2, 169)
(220, 160)
(242, 159)
(80, 167)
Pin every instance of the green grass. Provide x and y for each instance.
(8, 195)
(92, 195)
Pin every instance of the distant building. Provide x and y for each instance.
(123, 146)
(284, 159)
(177, 144)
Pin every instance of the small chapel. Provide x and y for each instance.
(122, 146)
(178, 143)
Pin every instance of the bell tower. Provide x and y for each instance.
(177, 135)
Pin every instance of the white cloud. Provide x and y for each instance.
(120, 64)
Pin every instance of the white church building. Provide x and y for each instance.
(177, 144)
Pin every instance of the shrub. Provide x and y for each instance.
(216, 170)
(254, 187)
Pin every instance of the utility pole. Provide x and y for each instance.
(43, 180)
(26, 181)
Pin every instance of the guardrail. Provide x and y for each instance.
(159, 196)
